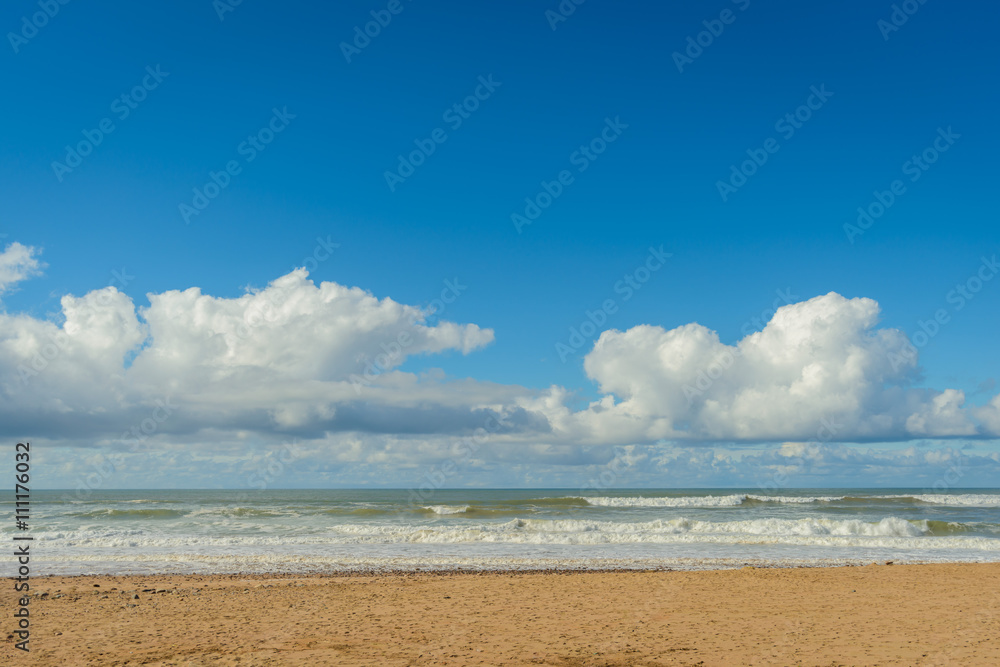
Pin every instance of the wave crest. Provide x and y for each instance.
(733, 500)
(447, 509)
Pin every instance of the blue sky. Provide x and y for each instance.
(778, 239)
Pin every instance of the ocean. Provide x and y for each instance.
(306, 531)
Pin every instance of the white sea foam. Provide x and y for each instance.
(962, 500)
(683, 501)
(889, 532)
(702, 501)
(796, 499)
(734, 500)
(284, 562)
(447, 509)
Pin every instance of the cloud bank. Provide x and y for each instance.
(193, 375)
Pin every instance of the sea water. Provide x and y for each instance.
(195, 531)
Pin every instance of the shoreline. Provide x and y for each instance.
(376, 571)
(900, 614)
(395, 565)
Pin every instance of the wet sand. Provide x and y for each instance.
(872, 615)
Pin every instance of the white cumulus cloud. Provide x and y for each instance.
(819, 370)
(293, 355)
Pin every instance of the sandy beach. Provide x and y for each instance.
(871, 615)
